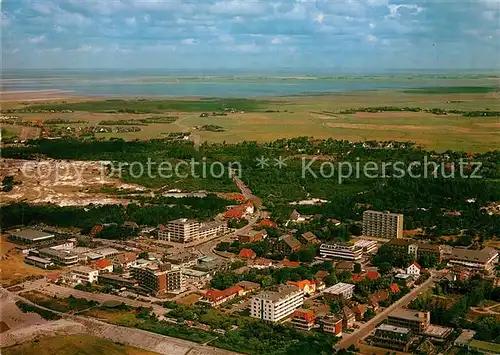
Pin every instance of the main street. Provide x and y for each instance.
(367, 328)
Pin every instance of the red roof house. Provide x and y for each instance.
(267, 223)
(394, 288)
(372, 275)
(216, 297)
(103, 265)
(234, 213)
(247, 253)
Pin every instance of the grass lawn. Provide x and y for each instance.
(74, 345)
(58, 304)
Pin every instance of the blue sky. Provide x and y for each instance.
(369, 34)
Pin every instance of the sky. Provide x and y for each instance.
(236, 34)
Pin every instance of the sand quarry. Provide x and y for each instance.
(64, 183)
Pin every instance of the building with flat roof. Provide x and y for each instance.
(303, 319)
(353, 251)
(159, 278)
(37, 261)
(184, 259)
(382, 224)
(277, 304)
(28, 235)
(415, 248)
(62, 257)
(84, 274)
(213, 266)
(479, 260)
(339, 290)
(418, 322)
(391, 337)
(332, 324)
(182, 230)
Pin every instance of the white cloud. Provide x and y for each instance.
(146, 18)
(225, 39)
(131, 21)
(15, 50)
(37, 39)
(320, 18)
(372, 25)
(371, 38)
(276, 40)
(189, 41)
(88, 48)
(245, 48)
(394, 9)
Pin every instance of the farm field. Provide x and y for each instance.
(74, 344)
(315, 116)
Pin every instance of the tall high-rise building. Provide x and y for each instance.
(382, 224)
(185, 230)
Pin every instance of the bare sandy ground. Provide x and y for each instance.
(65, 183)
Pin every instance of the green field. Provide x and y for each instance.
(322, 116)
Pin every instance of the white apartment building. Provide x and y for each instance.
(185, 230)
(181, 230)
(275, 306)
(382, 224)
(348, 251)
(340, 290)
(84, 274)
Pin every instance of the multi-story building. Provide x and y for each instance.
(277, 304)
(62, 257)
(84, 274)
(348, 251)
(416, 249)
(418, 322)
(181, 230)
(212, 229)
(287, 244)
(479, 260)
(159, 278)
(339, 290)
(391, 337)
(303, 319)
(382, 224)
(185, 230)
(332, 324)
(348, 317)
(252, 236)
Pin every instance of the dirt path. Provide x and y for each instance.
(195, 137)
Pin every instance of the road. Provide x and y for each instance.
(358, 334)
(208, 247)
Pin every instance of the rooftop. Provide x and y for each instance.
(390, 328)
(181, 257)
(83, 269)
(409, 314)
(183, 221)
(383, 212)
(291, 241)
(283, 291)
(338, 288)
(481, 256)
(492, 348)
(31, 234)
